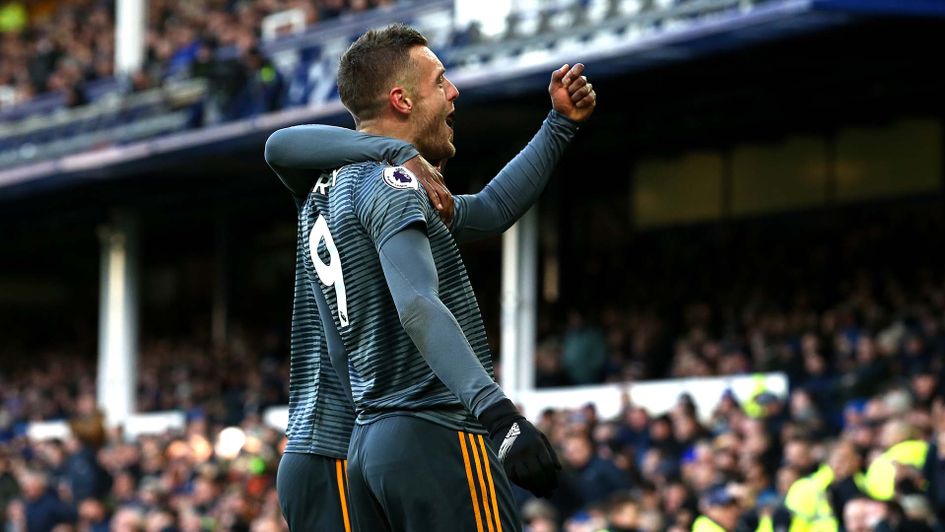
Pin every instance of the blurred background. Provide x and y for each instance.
(729, 303)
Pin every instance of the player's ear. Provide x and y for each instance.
(400, 101)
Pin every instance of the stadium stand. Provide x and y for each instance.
(248, 73)
(864, 361)
(61, 47)
(849, 307)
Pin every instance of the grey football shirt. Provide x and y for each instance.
(321, 415)
(355, 212)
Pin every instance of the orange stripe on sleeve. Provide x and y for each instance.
(341, 492)
(482, 483)
(495, 505)
(469, 479)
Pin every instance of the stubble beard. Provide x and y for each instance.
(435, 141)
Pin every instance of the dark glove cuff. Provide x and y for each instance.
(499, 415)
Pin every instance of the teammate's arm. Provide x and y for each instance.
(298, 154)
(407, 261)
(293, 152)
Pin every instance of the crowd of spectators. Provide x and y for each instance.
(97, 480)
(58, 47)
(62, 46)
(94, 480)
(865, 359)
(864, 378)
(860, 384)
(225, 385)
(840, 352)
(694, 301)
(50, 46)
(862, 427)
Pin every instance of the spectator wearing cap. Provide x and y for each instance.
(720, 512)
(767, 515)
(725, 411)
(854, 414)
(772, 412)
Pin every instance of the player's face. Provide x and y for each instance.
(434, 108)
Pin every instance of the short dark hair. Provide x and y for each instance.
(369, 65)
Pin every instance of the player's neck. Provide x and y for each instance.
(385, 127)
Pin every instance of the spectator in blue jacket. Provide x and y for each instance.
(44, 508)
(597, 477)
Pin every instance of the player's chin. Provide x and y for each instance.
(446, 149)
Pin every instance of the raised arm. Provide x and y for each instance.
(411, 275)
(509, 195)
(517, 187)
(298, 154)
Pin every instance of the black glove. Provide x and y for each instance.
(529, 459)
